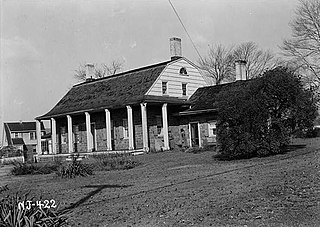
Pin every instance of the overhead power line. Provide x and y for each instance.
(194, 46)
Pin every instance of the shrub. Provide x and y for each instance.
(33, 168)
(115, 161)
(312, 133)
(75, 168)
(256, 117)
(13, 215)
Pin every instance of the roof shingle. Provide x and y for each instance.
(23, 126)
(205, 98)
(110, 92)
(18, 141)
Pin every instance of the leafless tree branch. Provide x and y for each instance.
(103, 70)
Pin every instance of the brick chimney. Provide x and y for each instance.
(175, 48)
(89, 71)
(241, 70)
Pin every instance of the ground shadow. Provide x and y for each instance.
(289, 148)
(283, 150)
(98, 188)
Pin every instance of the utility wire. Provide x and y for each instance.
(194, 46)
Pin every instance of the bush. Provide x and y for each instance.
(75, 168)
(312, 133)
(34, 168)
(13, 215)
(257, 117)
(10, 151)
(115, 161)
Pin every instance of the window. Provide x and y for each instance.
(63, 135)
(183, 71)
(16, 135)
(32, 135)
(164, 88)
(184, 89)
(44, 146)
(212, 129)
(125, 128)
(159, 125)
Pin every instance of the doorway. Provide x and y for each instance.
(194, 131)
(94, 136)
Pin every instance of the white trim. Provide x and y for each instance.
(88, 132)
(54, 135)
(108, 129)
(130, 127)
(165, 126)
(144, 121)
(70, 142)
(38, 130)
(190, 139)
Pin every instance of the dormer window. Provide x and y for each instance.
(183, 71)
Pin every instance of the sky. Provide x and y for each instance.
(44, 42)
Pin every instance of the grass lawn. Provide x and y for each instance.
(185, 189)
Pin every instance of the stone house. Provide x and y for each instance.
(153, 108)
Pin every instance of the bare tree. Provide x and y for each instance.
(218, 64)
(258, 60)
(303, 48)
(103, 70)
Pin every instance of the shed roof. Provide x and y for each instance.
(22, 126)
(18, 141)
(204, 99)
(116, 91)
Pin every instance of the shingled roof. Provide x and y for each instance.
(116, 91)
(18, 141)
(204, 99)
(22, 126)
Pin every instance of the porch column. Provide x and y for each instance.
(190, 136)
(88, 130)
(38, 134)
(53, 136)
(144, 126)
(165, 126)
(70, 142)
(130, 127)
(108, 129)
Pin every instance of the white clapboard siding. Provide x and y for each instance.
(174, 80)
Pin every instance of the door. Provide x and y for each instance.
(93, 134)
(194, 134)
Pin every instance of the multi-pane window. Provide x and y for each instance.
(16, 135)
(44, 146)
(212, 129)
(125, 128)
(184, 89)
(164, 87)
